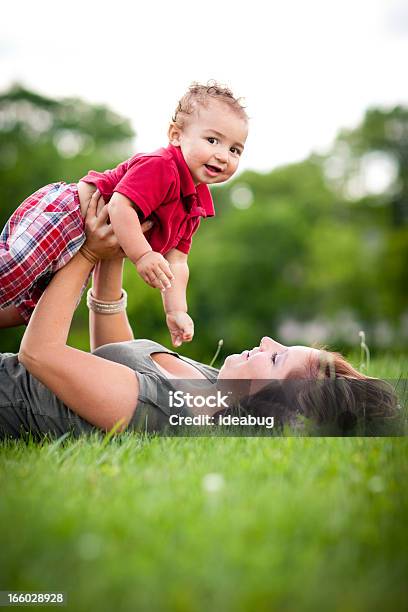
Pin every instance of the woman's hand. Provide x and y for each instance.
(100, 237)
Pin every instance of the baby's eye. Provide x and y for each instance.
(273, 358)
(211, 139)
(235, 151)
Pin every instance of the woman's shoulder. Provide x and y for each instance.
(136, 355)
(133, 353)
(208, 371)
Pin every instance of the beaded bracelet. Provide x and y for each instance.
(102, 307)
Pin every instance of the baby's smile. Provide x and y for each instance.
(212, 170)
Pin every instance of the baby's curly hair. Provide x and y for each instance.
(199, 94)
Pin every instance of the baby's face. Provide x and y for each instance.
(212, 142)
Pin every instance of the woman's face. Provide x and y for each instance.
(269, 360)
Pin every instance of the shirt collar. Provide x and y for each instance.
(187, 186)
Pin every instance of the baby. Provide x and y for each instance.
(169, 187)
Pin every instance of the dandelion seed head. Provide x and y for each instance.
(213, 483)
(376, 484)
(89, 546)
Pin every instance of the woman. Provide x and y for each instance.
(53, 388)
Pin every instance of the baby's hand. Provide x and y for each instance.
(155, 270)
(181, 327)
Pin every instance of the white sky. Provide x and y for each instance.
(306, 69)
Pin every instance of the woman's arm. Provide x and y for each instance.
(100, 391)
(107, 286)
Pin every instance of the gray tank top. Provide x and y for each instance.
(153, 408)
(27, 405)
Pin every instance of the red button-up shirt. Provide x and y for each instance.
(161, 187)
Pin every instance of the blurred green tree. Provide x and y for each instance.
(44, 140)
(368, 168)
(381, 141)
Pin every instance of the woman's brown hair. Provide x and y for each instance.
(337, 397)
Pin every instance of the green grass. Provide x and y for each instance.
(296, 523)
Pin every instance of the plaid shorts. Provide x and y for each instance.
(40, 237)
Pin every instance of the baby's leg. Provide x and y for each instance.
(85, 193)
(21, 265)
(10, 317)
(41, 236)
